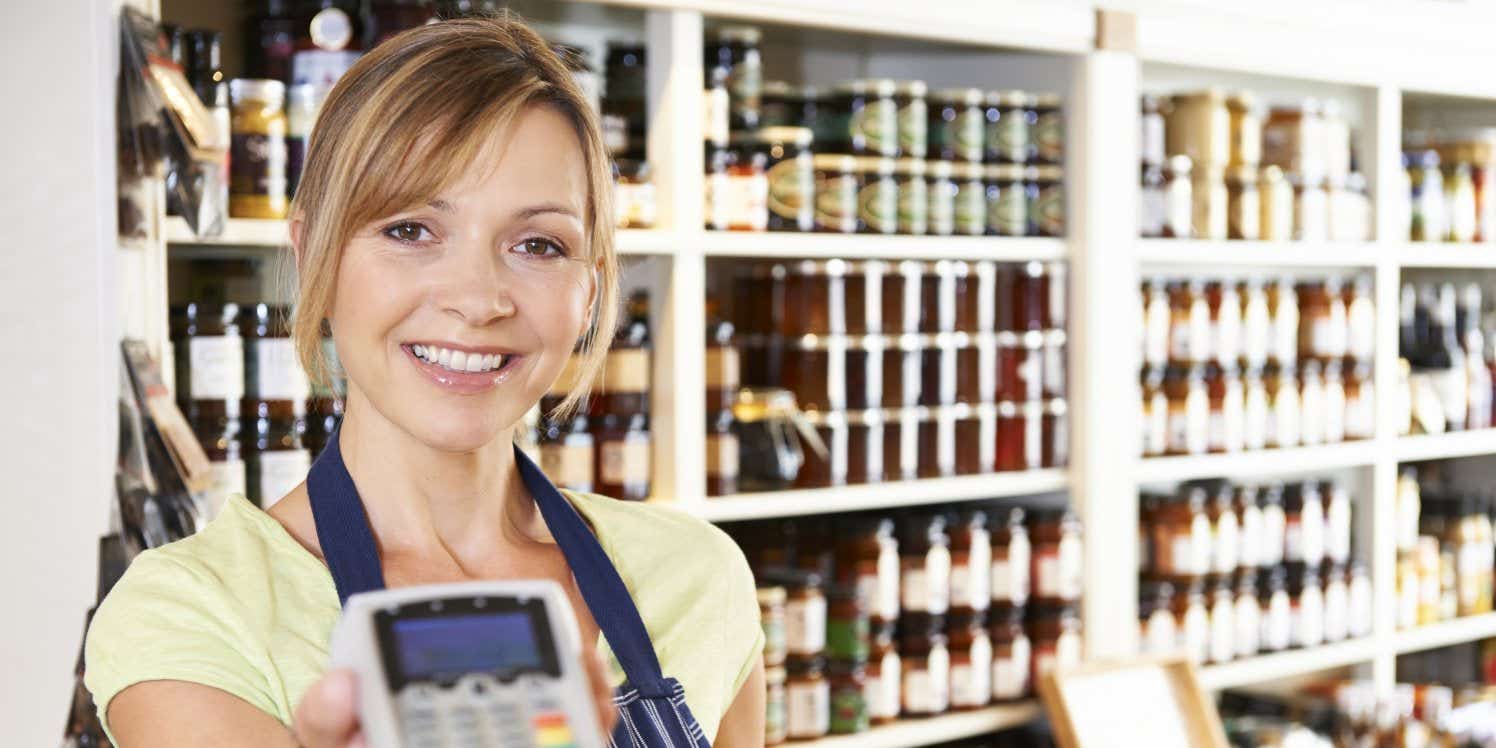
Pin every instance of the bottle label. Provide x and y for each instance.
(216, 364)
(887, 606)
(891, 687)
(977, 593)
(963, 134)
(941, 215)
(626, 461)
(1010, 674)
(914, 205)
(1158, 429)
(1051, 212)
(913, 121)
(1007, 212)
(1008, 138)
(971, 209)
(626, 371)
(257, 169)
(1248, 627)
(723, 367)
(878, 205)
(281, 471)
(1197, 421)
(836, 203)
(744, 201)
(568, 464)
(1178, 197)
(1049, 136)
(876, 125)
(274, 372)
(809, 708)
(805, 626)
(792, 189)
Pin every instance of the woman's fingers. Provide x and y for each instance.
(327, 716)
(602, 692)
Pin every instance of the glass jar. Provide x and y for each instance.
(1153, 208)
(743, 200)
(941, 193)
(566, 452)
(849, 705)
(1257, 410)
(913, 118)
(1359, 600)
(1152, 130)
(276, 461)
(776, 706)
(1199, 126)
(1179, 198)
(1011, 559)
(971, 205)
(871, 118)
(1337, 537)
(926, 665)
(925, 565)
(1192, 612)
(1322, 320)
(1360, 320)
(1246, 129)
(1337, 603)
(1222, 606)
(885, 678)
(936, 450)
(1019, 366)
(736, 49)
(1037, 294)
(1283, 398)
(771, 610)
(1247, 629)
(1277, 611)
(957, 125)
(1006, 202)
(1056, 434)
(1055, 633)
(1243, 203)
(1304, 511)
(1274, 525)
(1226, 429)
(1210, 202)
(971, 661)
(634, 204)
(1058, 557)
(1459, 204)
(1360, 402)
(1048, 132)
(971, 563)
(913, 196)
(1247, 504)
(622, 464)
(209, 363)
(769, 453)
(1008, 131)
(1155, 413)
(1283, 311)
(807, 698)
(836, 193)
(1189, 323)
(257, 153)
(715, 196)
(1276, 196)
(805, 611)
(1189, 410)
(1182, 535)
(848, 625)
(226, 468)
(1225, 531)
(1409, 510)
(1157, 321)
(1158, 632)
(865, 431)
(1020, 435)
(1047, 215)
(1225, 323)
(1256, 323)
(825, 464)
(877, 196)
(790, 170)
(1311, 210)
(1308, 605)
(1311, 403)
(1428, 200)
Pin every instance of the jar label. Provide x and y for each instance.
(1249, 540)
(625, 371)
(775, 641)
(1226, 543)
(971, 209)
(1010, 576)
(927, 690)
(1156, 425)
(634, 205)
(965, 134)
(836, 204)
(1197, 633)
(849, 711)
(1222, 635)
(912, 126)
(1007, 211)
(1010, 673)
(941, 214)
(1049, 137)
(891, 686)
(914, 205)
(792, 190)
(1160, 635)
(568, 464)
(723, 368)
(1256, 418)
(625, 461)
(805, 625)
(714, 117)
(744, 201)
(874, 128)
(1338, 529)
(971, 676)
(1274, 535)
(718, 215)
(776, 716)
(878, 205)
(1283, 427)
(745, 85)
(257, 171)
(938, 579)
(887, 606)
(1248, 625)
(273, 371)
(722, 455)
(809, 709)
(216, 366)
(227, 479)
(281, 471)
(848, 638)
(1050, 215)
(1308, 619)
(1008, 137)
(1153, 210)
(1179, 208)
(1277, 625)
(979, 592)
(1337, 603)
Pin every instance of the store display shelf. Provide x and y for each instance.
(1295, 662)
(933, 730)
(871, 246)
(1264, 462)
(880, 495)
(1457, 631)
(1257, 253)
(1446, 446)
(1446, 255)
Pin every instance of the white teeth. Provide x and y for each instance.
(475, 362)
(459, 360)
(444, 357)
(494, 361)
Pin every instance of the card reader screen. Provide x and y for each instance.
(450, 646)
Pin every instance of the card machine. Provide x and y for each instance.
(468, 665)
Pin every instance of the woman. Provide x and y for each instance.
(453, 229)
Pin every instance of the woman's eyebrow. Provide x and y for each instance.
(543, 208)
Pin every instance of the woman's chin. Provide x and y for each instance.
(460, 436)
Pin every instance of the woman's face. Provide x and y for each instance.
(452, 319)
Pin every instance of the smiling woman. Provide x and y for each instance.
(453, 230)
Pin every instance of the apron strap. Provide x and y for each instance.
(342, 527)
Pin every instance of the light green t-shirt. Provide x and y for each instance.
(241, 606)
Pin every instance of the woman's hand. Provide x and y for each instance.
(327, 716)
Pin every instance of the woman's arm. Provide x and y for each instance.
(743, 724)
(178, 714)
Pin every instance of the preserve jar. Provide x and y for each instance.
(970, 651)
(1058, 556)
(790, 170)
(836, 190)
(926, 665)
(1012, 654)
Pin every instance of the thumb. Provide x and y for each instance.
(327, 716)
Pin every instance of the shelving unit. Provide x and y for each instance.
(1055, 44)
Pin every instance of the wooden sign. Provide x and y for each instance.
(1152, 702)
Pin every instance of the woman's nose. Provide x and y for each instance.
(474, 286)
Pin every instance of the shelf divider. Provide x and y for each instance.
(880, 495)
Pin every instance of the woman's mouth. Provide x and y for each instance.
(463, 371)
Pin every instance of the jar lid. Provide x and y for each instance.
(769, 597)
(855, 668)
(913, 89)
(910, 167)
(1007, 98)
(1041, 611)
(740, 34)
(966, 620)
(791, 579)
(882, 87)
(879, 165)
(270, 91)
(834, 162)
(801, 136)
(1046, 100)
(966, 96)
(921, 624)
(763, 403)
(1159, 592)
(1275, 579)
(938, 169)
(1301, 576)
(1004, 172)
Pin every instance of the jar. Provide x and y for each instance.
(1012, 654)
(272, 371)
(826, 465)
(970, 651)
(1304, 511)
(1153, 206)
(972, 208)
(301, 113)
(1247, 628)
(743, 201)
(1192, 616)
(1247, 504)
(1311, 210)
(849, 705)
(1048, 129)
(1011, 559)
(865, 432)
(1428, 202)
(871, 117)
(1293, 138)
(1006, 201)
(1020, 366)
(769, 453)
(1277, 611)
(1055, 633)
(210, 362)
(771, 610)
(1274, 525)
(1337, 538)
(1152, 130)
(816, 370)
(784, 105)
(1155, 413)
(1311, 403)
(1227, 425)
(1337, 603)
(715, 196)
(1046, 212)
(1189, 323)
(1225, 323)
(1020, 435)
(1360, 402)
(1459, 204)
(790, 170)
(912, 118)
(1182, 535)
(622, 463)
(1283, 311)
(226, 469)
(1360, 319)
(1283, 396)
(975, 438)
(1034, 305)
(276, 461)
(1359, 600)
(257, 154)
(1199, 126)
(1057, 551)
(807, 699)
(566, 452)
(1056, 434)
(1008, 129)
(958, 125)
(1179, 198)
(1157, 321)
(1277, 199)
(885, 678)
(805, 612)
(1256, 324)
(1246, 129)
(901, 456)
(634, 204)
(925, 565)
(1243, 204)
(1189, 410)
(836, 191)
(971, 563)
(936, 451)
(1323, 330)
(1408, 511)
(1350, 210)
(1257, 411)
(1158, 633)
(902, 375)
(736, 49)
(776, 706)
(1222, 608)
(1225, 532)
(877, 196)
(848, 625)
(1308, 601)
(913, 196)
(926, 665)
(941, 192)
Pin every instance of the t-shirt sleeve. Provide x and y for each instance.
(743, 632)
(166, 620)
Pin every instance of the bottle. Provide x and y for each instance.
(1444, 360)
(722, 385)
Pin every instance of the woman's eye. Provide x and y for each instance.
(537, 247)
(407, 232)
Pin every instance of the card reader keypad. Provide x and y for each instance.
(478, 711)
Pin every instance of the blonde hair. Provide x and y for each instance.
(431, 98)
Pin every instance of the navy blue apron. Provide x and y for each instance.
(652, 708)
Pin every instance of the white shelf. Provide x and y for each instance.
(947, 727)
(875, 246)
(1446, 255)
(1458, 631)
(879, 495)
(1294, 662)
(1266, 461)
(1257, 253)
(237, 232)
(1446, 446)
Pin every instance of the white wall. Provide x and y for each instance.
(57, 335)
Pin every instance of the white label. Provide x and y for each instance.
(1337, 611)
(1257, 414)
(916, 586)
(1010, 577)
(887, 606)
(217, 367)
(717, 214)
(1451, 385)
(1202, 538)
(714, 115)
(1197, 634)
(1249, 549)
(1312, 411)
(1286, 328)
(1283, 430)
(1156, 435)
(1156, 331)
(228, 479)
(1197, 421)
(1311, 534)
(805, 626)
(1222, 631)
(971, 682)
(280, 472)
(1338, 529)
(278, 372)
(979, 593)
(1227, 544)
(626, 460)
(1309, 619)
(927, 691)
(1256, 329)
(745, 201)
(890, 687)
(1360, 413)
(1227, 338)
(1274, 535)
(1160, 633)
(1360, 605)
(1277, 626)
(1010, 675)
(808, 709)
(1248, 628)
(938, 579)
